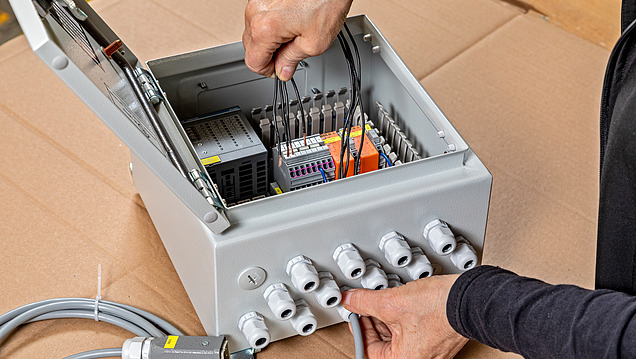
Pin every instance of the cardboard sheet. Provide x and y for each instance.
(523, 93)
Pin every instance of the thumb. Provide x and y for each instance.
(370, 303)
(287, 58)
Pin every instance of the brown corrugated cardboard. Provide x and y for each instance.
(523, 93)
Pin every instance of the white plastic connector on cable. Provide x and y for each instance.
(374, 277)
(328, 294)
(135, 348)
(394, 280)
(279, 301)
(464, 257)
(349, 261)
(420, 267)
(342, 312)
(303, 274)
(255, 330)
(396, 251)
(440, 237)
(304, 322)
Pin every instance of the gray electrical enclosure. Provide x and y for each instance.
(260, 267)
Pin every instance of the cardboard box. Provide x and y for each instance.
(523, 93)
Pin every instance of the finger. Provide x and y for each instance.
(374, 347)
(287, 59)
(383, 331)
(372, 303)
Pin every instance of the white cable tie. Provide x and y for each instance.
(99, 292)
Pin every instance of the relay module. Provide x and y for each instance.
(270, 208)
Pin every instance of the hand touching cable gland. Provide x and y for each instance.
(408, 321)
(280, 33)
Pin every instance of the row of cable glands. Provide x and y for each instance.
(306, 279)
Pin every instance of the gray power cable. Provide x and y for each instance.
(357, 335)
(135, 320)
(96, 354)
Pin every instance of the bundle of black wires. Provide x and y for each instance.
(280, 89)
(355, 101)
(352, 57)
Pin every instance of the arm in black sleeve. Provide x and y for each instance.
(538, 320)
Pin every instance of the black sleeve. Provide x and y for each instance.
(628, 13)
(538, 320)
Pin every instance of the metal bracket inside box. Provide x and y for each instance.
(227, 255)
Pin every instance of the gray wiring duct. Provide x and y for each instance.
(357, 335)
(135, 320)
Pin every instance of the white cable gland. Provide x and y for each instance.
(394, 280)
(279, 301)
(255, 330)
(135, 348)
(440, 237)
(420, 267)
(304, 321)
(343, 313)
(396, 251)
(374, 277)
(303, 274)
(349, 261)
(328, 294)
(464, 257)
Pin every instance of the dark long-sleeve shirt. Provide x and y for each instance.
(538, 320)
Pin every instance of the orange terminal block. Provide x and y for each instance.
(370, 156)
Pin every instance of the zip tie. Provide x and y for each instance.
(99, 292)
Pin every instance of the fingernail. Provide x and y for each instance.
(346, 297)
(287, 72)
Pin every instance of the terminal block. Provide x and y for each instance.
(305, 163)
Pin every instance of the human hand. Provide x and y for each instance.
(280, 33)
(408, 321)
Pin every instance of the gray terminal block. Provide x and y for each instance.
(302, 166)
(231, 152)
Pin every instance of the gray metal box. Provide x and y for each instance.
(226, 256)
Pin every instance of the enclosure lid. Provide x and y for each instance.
(70, 38)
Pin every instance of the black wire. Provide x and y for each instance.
(358, 83)
(302, 108)
(275, 114)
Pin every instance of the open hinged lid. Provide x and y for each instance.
(70, 38)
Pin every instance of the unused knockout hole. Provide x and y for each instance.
(425, 275)
(308, 328)
(309, 286)
(468, 265)
(332, 301)
(447, 248)
(286, 313)
(402, 261)
(260, 342)
(356, 273)
(380, 287)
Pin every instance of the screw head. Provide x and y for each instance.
(205, 343)
(252, 278)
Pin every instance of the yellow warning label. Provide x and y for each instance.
(359, 132)
(210, 160)
(171, 342)
(278, 191)
(331, 139)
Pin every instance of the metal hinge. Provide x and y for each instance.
(148, 84)
(205, 187)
